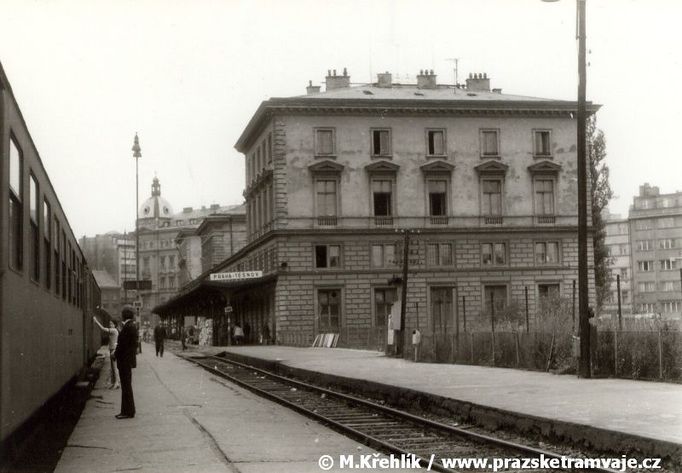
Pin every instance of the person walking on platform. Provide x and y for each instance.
(125, 359)
(113, 340)
(182, 338)
(159, 337)
(238, 334)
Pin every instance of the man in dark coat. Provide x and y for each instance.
(125, 360)
(159, 337)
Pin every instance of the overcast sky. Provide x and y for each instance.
(188, 75)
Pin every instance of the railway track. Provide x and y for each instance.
(383, 428)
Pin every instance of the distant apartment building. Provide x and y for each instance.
(618, 243)
(161, 236)
(655, 222)
(486, 180)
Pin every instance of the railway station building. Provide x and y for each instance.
(485, 183)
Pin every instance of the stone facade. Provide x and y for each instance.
(485, 182)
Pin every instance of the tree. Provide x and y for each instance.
(600, 193)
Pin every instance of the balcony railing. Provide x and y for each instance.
(546, 219)
(383, 221)
(327, 221)
(439, 220)
(492, 220)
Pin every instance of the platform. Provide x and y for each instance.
(190, 421)
(612, 414)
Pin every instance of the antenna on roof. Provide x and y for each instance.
(456, 61)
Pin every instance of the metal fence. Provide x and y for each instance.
(652, 355)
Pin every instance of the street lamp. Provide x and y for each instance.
(137, 154)
(584, 370)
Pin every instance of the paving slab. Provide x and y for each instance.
(649, 411)
(188, 420)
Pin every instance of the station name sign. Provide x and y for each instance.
(236, 276)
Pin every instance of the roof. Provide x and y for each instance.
(104, 279)
(399, 98)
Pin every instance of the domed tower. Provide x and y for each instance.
(155, 211)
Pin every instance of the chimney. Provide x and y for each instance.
(312, 89)
(479, 83)
(384, 79)
(426, 79)
(337, 82)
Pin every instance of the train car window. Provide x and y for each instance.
(63, 261)
(34, 228)
(55, 245)
(15, 214)
(47, 248)
(69, 280)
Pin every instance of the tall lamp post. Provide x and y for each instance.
(584, 370)
(137, 154)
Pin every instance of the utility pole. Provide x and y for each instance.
(400, 342)
(583, 301)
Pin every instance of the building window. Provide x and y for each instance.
(623, 273)
(327, 256)
(649, 286)
(549, 290)
(668, 264)
(34, 217)
(668, 286)
(667, 222)
(644, 224)
(384, 255)
(384, 298)
(442, 316)
(645, 266)
(381, 142)
(494, 254)
(544, 197)
(437, 197)
(382, 190)
(329, 310)
(492, 197)
(490, 143)
(541, 142)
(435, 142)
(16, 248)
(671, 306)
(667, 243)
(495, 297)
(325, 191)
(645, 245)
(171, 262)
(64, 256)
(325, 142)
(647, 307)
(269, 148)
(439, 254)
(162, 282)
(547, 252)
(625, 296)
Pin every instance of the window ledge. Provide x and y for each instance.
(543, 156)
(381, 156)
(324, 156)
(491, 156)
(437, 156)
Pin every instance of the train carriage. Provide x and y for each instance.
(47, 293)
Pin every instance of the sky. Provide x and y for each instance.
(188, 75)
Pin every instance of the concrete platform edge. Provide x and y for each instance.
(481, 415)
